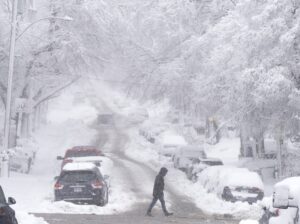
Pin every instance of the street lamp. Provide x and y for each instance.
(13, 38)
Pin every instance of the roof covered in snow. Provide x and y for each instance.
(231, 176)
(79, 166)
(171, 138)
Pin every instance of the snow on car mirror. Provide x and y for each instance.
(11, 201)
(281, 197)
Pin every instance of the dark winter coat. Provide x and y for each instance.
(159, 183)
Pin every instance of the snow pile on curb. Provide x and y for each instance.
(248, 221)
(24, 218)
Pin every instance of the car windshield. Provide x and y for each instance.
(2, 197)
(82, 153)
(77, 176)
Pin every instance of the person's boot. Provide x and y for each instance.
(168, 213)
(149, 214)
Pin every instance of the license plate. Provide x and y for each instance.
(77, 189)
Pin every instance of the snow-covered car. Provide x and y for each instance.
(78, 152)
(171, 143)
(232, 184)
(188, 155)
(286, 198)
(198, 165)
(21, 159)
(81, 183)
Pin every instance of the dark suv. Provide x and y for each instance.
(7, 214)
(81, 183)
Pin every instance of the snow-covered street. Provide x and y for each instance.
(131, 175)
(138, 111)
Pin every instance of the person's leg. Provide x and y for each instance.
(154, 200)
(163, 206)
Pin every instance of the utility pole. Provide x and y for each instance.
(280, 152)
(5, 159)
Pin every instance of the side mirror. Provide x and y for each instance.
(60, 158)
(281, 197)
(106, 177)
(11, 201)
(56, 178)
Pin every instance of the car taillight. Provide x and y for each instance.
(58, 186)
(2, 212)
(97, 184)
(68, 161)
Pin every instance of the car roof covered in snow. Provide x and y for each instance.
(171, 138)
(79, 166)
(88, 159)
(231, 176)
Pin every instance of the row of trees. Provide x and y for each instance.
(230, 59)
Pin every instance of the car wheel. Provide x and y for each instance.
(101, 201)
(106, 197)
(14, 220)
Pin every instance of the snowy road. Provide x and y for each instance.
(139, 181)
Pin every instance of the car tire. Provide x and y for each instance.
(14, 220)
(101, 201)
(107, 197)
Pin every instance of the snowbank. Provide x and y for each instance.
(248, 222)
(24, 218)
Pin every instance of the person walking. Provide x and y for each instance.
(158, 192)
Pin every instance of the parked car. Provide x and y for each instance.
(7, 214)
(232, 184)
(79, 151)
(286, 198)
(81, 183)
(187, 155)
(21, 160)
(170, 142)
(198, 165)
